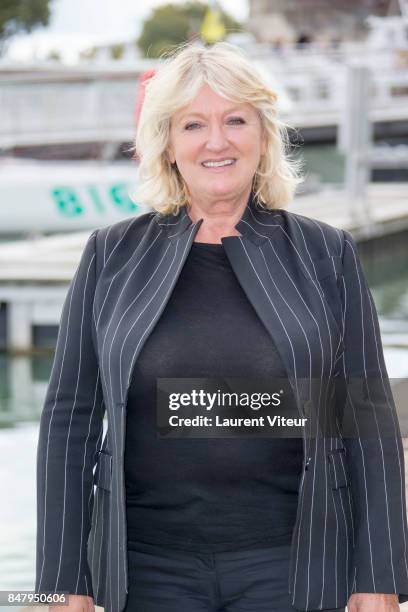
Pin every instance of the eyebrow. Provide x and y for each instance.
(194, 114)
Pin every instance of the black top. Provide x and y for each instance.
(207, 494)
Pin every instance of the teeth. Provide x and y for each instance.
(227, 162)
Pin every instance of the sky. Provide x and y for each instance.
(75, 24)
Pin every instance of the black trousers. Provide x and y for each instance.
(169, 580)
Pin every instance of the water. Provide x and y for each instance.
(17, 512)
(327, 163)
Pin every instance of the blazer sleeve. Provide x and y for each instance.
(374, 450)
(71, 427)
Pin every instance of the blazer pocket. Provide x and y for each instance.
(331, 266)
(103, 472)
(337, 468)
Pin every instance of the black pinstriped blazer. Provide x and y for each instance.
(305, 281)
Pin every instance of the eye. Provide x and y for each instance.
(239, 119)
(189, 125)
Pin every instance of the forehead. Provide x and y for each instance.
(208, 102)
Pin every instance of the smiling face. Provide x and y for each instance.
(213, 129)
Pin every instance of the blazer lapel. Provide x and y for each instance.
(144, 285)
(275, 300)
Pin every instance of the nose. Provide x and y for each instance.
(216, 137)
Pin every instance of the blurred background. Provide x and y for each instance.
(70, 93)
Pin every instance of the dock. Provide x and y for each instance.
(383, 212)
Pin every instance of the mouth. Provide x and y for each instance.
(220, 166)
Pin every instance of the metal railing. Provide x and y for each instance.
(95, 104)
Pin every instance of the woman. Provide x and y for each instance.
(219, 281)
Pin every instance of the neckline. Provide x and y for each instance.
(215, 245)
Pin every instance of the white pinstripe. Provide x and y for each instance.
(342, 356)
(96, 502)
(83, 475)
(92, 500)
(100, 548)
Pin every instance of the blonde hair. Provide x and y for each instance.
(229, 73)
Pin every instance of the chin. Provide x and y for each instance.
(222, 190)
